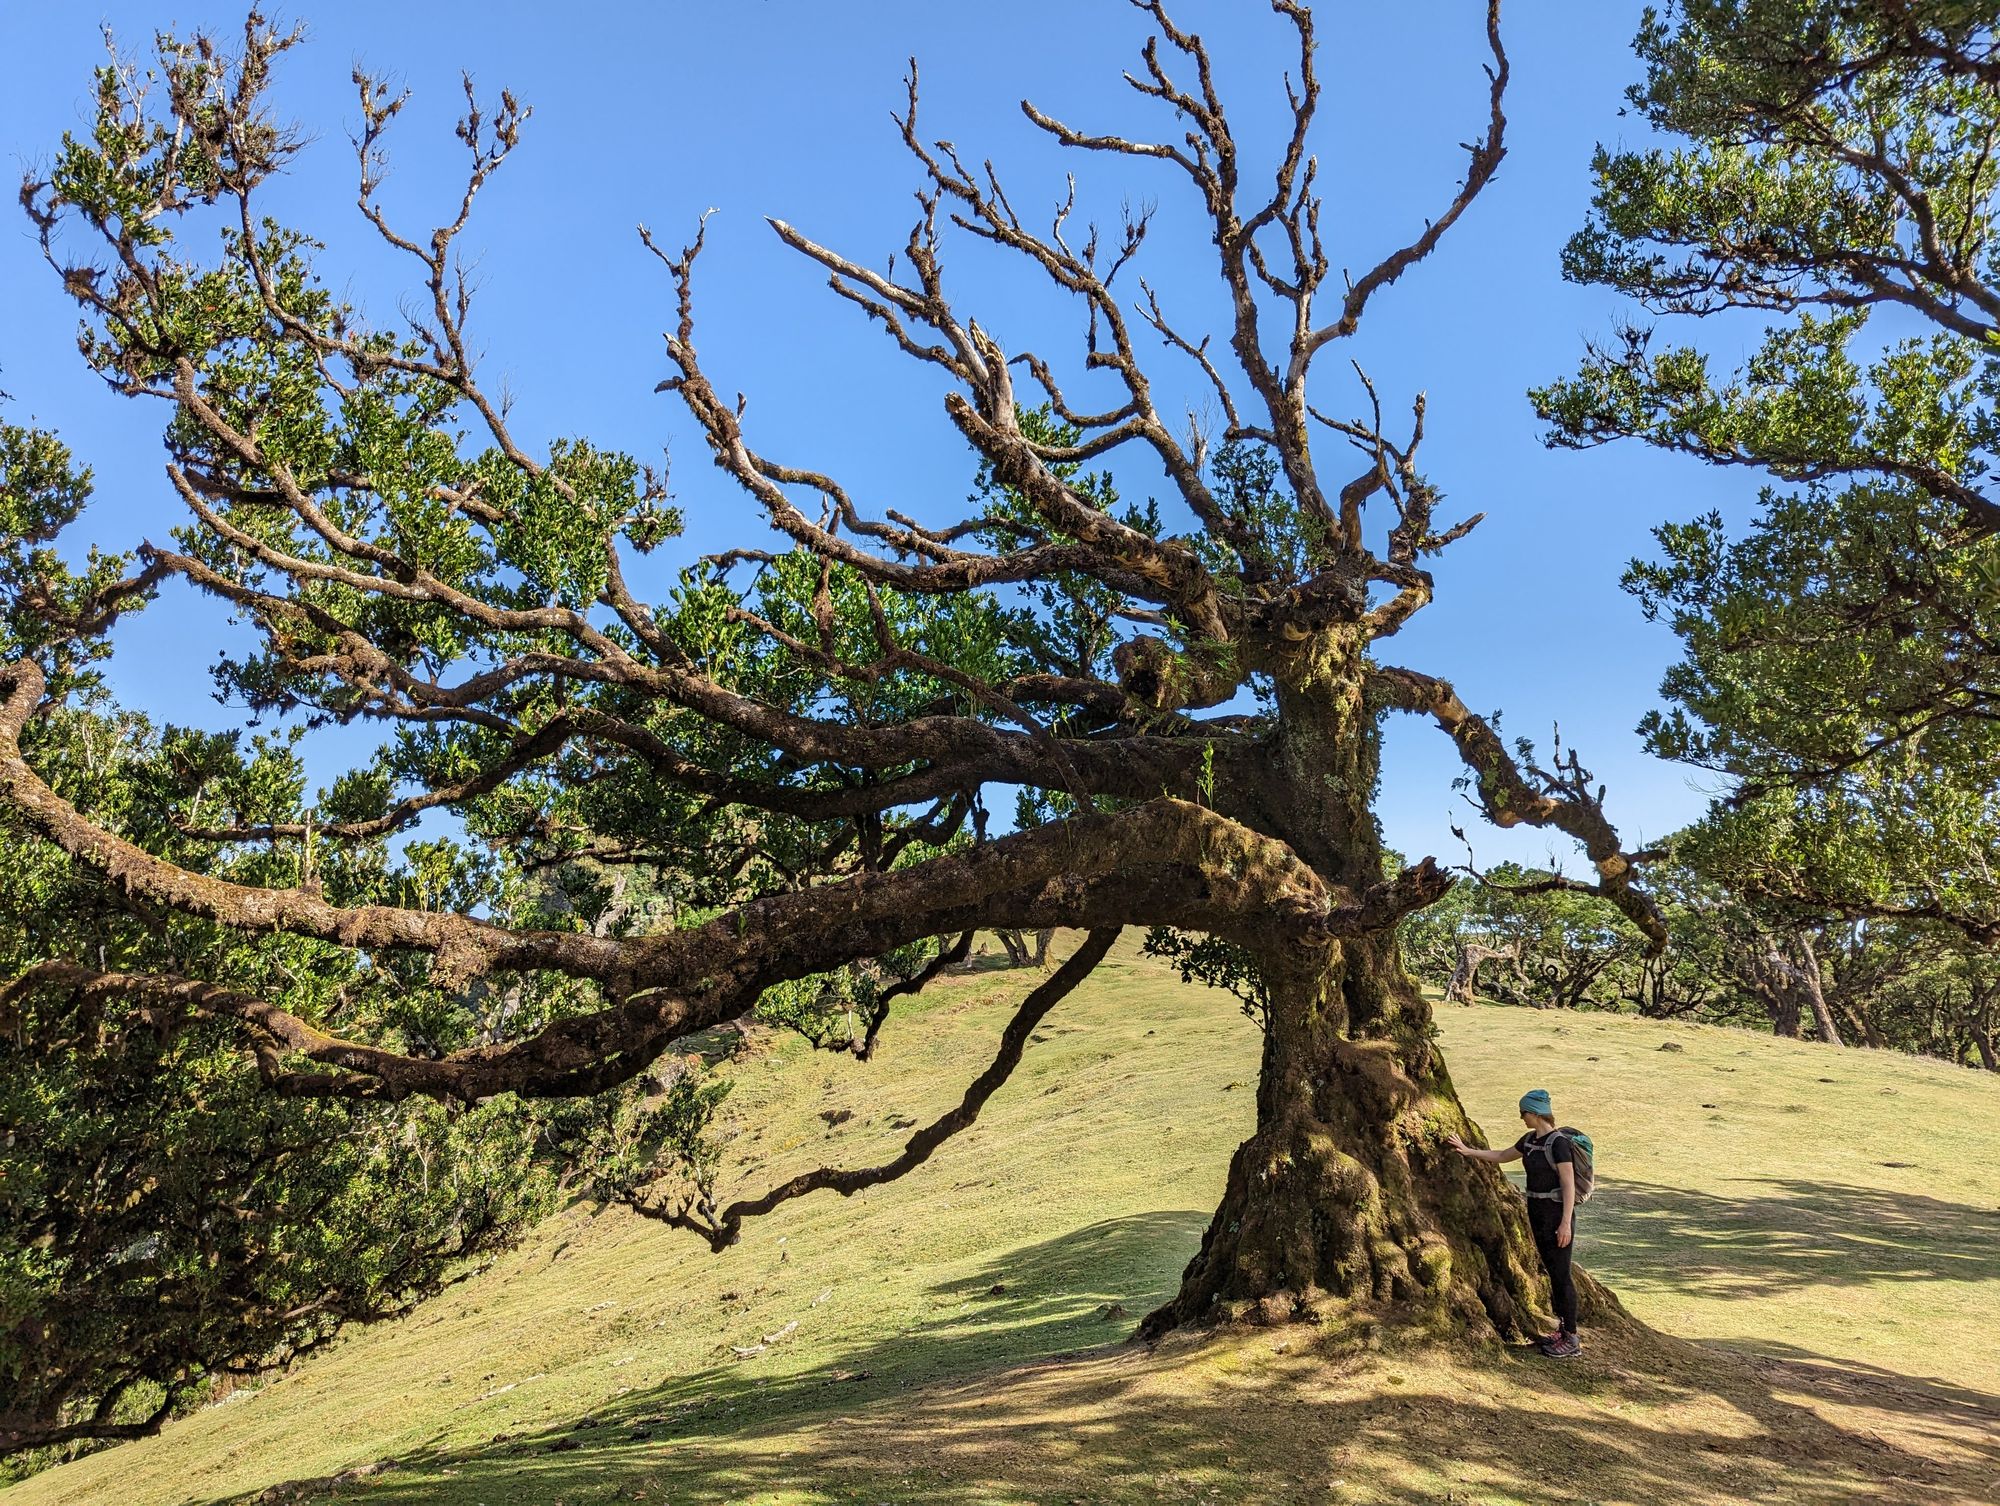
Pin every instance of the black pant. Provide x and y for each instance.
(1544, 1218)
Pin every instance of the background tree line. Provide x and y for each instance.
(1521, 936)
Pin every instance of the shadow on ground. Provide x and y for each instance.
(1023, 1390)
(1757, 1235)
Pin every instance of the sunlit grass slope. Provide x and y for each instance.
(1826, 1223)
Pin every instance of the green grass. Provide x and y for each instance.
(957, 1334)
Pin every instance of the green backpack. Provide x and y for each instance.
(1583, 1169)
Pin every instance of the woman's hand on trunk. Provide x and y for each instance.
(1472, 1152)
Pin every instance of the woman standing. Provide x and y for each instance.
(1550, 1160)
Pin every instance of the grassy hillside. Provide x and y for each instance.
(1825, 1223)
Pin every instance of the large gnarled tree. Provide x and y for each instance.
(810, 721)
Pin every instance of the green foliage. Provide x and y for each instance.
(1215, 963)
(1839, 661)
(1068, 626)
(835, 1010)
(1784, 112)
(166, 1222)
(1276, 538)
(48, 610)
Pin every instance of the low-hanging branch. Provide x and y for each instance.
(722, 1228)
(667, 986)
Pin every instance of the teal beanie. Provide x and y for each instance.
(1536, 1101)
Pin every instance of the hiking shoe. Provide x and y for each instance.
(1564, 1346)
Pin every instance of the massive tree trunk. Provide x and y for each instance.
(1346, 1193)
(1346, 1196)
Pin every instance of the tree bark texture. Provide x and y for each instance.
(1346, 1194)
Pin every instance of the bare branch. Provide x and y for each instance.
(1485, 159)
(1511, 795)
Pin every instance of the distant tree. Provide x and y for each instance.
(1917, 985)
(1462, 987)
(1695, 977)
(1732, 957)
(809, 726)
(1828, 161)
(1028, 950)
(1964, 1025)
(1541, 941)
(1571, 946)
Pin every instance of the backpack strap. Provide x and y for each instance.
(1542, 1145)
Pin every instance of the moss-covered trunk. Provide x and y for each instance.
(1346, 1195)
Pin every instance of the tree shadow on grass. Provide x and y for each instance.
(1021, 1390)
(1755, 1235)
(1104, 1428)
(1080, 1292)
(1837, 1377)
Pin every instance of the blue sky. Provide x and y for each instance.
(657, 112)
